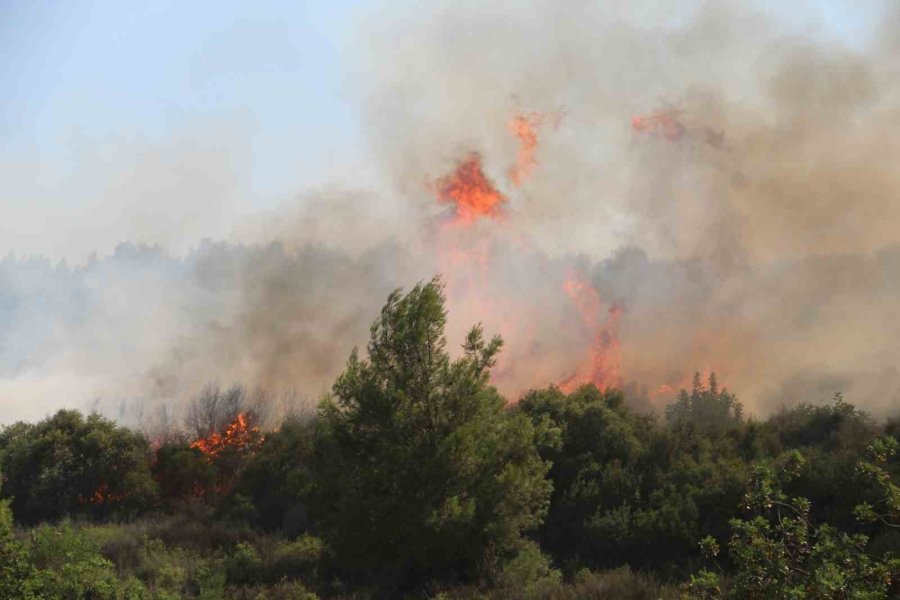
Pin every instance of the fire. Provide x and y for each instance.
(671, 388)
(472, 193)
(465, 253)
(524, 128)
(661, 123)
(603, 367)
(101, 495)
(239, 435)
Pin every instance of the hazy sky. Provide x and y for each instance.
(118, 119)
(170, 123)
(107, 97)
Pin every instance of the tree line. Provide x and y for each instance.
(415, 478)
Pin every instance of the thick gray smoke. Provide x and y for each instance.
(762, 241)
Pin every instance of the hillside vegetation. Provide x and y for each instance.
(416, 479)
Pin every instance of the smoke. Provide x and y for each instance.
(760, 243)
(141, 329)
(763, 242)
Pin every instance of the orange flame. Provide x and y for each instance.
(671, 388)
(524, 128)
(603, 367)
(471, 192)
(101, 495)
(238, 435)
(661, 123)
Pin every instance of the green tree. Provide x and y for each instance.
(708, 408)
(69, 566)
(886, 509)
(421, 473)
(833, 438)
(183, 473)
(273, 489)
(625, 491)
(69, 465)
(779, 552)
(15, 569)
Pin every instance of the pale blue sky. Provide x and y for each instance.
(104, 69)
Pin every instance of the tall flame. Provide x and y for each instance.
(603, 366)
(466, 253)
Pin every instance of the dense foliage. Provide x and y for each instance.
(416, 479)
(421, 471)
(71, 466)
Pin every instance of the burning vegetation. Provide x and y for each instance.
(239, 436)
(626, 264)
(102, 495)
(468, 256)
(603, 366)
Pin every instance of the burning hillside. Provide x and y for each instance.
(470, 257)
(694, 210)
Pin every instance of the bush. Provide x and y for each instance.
(529, 574)
(69, 566)
(182, 473)
(273, 489)
(244, 565)
(67, 465)
(15, 568)
(298, 559)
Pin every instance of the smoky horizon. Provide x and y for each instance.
(626, 195)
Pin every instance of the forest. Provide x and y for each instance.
(414, 478)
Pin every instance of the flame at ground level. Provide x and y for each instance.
(239, 435)
(101, 495)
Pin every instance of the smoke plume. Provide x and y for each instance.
(722, 180)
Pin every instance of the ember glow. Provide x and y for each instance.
(239, 436)
(524, 127)
(661, 123)
(101, 495)
(685, 382)
(603, 366)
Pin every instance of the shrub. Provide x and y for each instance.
(67, 465)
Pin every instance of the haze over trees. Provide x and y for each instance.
(416, 479)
